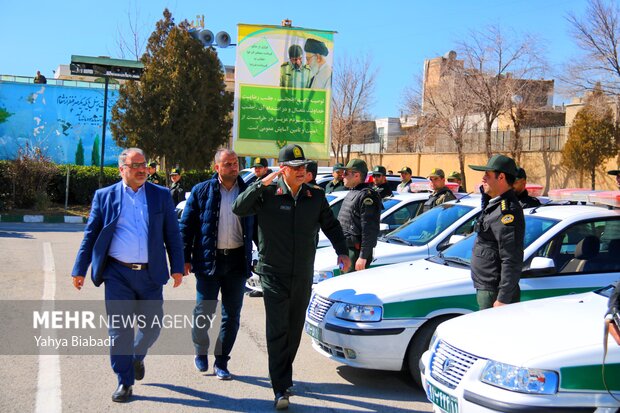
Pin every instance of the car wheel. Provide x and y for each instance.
(419, 344)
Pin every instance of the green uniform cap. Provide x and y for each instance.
(338, 165)
(379, 170)
(455, 175)
(521, 173)
(176, 171)
(295, 51)
(499, 163)
(405, 169)
(437, 172)
(358, 165)
(292, 155)
(614, 172)
(260, 162)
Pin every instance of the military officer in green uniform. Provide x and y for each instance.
(524, 198)
(336, 184)
(359, 215)
(441, 193)
(497, 257)
(380, 183)
(294, 74)
(290, 214)
(153, 177)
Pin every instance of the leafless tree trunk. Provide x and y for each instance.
(353, 88)
(490, 58)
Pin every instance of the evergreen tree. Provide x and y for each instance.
(79, 153)
(180, 108)
(592, 137)
(95, 157)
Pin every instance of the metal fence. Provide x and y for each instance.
(532, 140)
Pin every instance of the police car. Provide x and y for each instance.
(422, 237)
(536, 356)
(384, 317)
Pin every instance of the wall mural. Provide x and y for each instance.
(63, 121)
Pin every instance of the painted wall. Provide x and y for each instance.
(55, 119)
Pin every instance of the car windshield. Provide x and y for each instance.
(534, 228)
(389, 203)
(425, 227)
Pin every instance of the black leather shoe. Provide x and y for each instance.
(122, 394)
(281, 401)
(138, 369)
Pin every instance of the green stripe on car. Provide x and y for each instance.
(590, 377)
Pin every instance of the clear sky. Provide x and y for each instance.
(397, 34)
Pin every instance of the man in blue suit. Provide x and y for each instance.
(131, 224)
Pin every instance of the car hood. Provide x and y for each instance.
(395, 283)
(384, 253)
(533, 333)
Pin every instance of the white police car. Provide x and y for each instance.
(536, 356)
(422, 237)
(384, 317)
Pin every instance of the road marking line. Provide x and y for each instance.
(48, 382)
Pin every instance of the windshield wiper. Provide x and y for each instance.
(398, 239)
(457, 260)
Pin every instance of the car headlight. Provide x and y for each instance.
(353, 312)
(322, 276)
(520, 379)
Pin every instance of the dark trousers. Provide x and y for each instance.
(354, 254)
(229, 278)
(486, 298)
(131, 295)
(286, 298)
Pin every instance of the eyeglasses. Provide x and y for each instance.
(350, 172)
(136, 165)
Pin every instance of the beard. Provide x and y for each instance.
(314, 67)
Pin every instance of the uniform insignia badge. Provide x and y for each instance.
(296, 152)
(507, 219)
(308, 193)
(368, 201)
(257, 160)
(279, 191)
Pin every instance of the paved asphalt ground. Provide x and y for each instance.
(36, 260)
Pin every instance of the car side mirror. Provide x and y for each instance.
(540, 266)
(383, 228)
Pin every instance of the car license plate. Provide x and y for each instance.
(444, 401)
(313, 331)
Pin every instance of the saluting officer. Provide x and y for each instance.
(497, 257)
(441, 193)
(289, 214)
(524, 198)
(360, 215)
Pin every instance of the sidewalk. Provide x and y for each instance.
(56, 219)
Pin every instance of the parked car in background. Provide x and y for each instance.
(537, 356)
(384, 317)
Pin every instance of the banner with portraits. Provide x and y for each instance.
(283, 81)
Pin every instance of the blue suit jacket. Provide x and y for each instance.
(163, 229)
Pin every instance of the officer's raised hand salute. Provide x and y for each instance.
(360, 215)
(497, 258)
(290, 214)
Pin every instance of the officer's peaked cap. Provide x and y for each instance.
(358, 165)
(292, 155)
(295, 51)
(499, 163)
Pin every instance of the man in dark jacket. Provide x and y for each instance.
(176, 190)
(359, 215)
(290, 213)
(524, 198)
(218, 244)
(497, 257)
(441, 193)
(380, 181)
(336, 184)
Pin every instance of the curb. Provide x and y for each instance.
(53, 219)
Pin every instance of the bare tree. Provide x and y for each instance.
(353, 88)
(490, 57)
(131, 40)
(597, 34)
(448, 109)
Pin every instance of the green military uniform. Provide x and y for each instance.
(294, 78)
(287, 231)
(438, 197)
(154, 179)
(359, 217)
(527, 201)
(383, 190)
(335, 185)
(497, 256)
